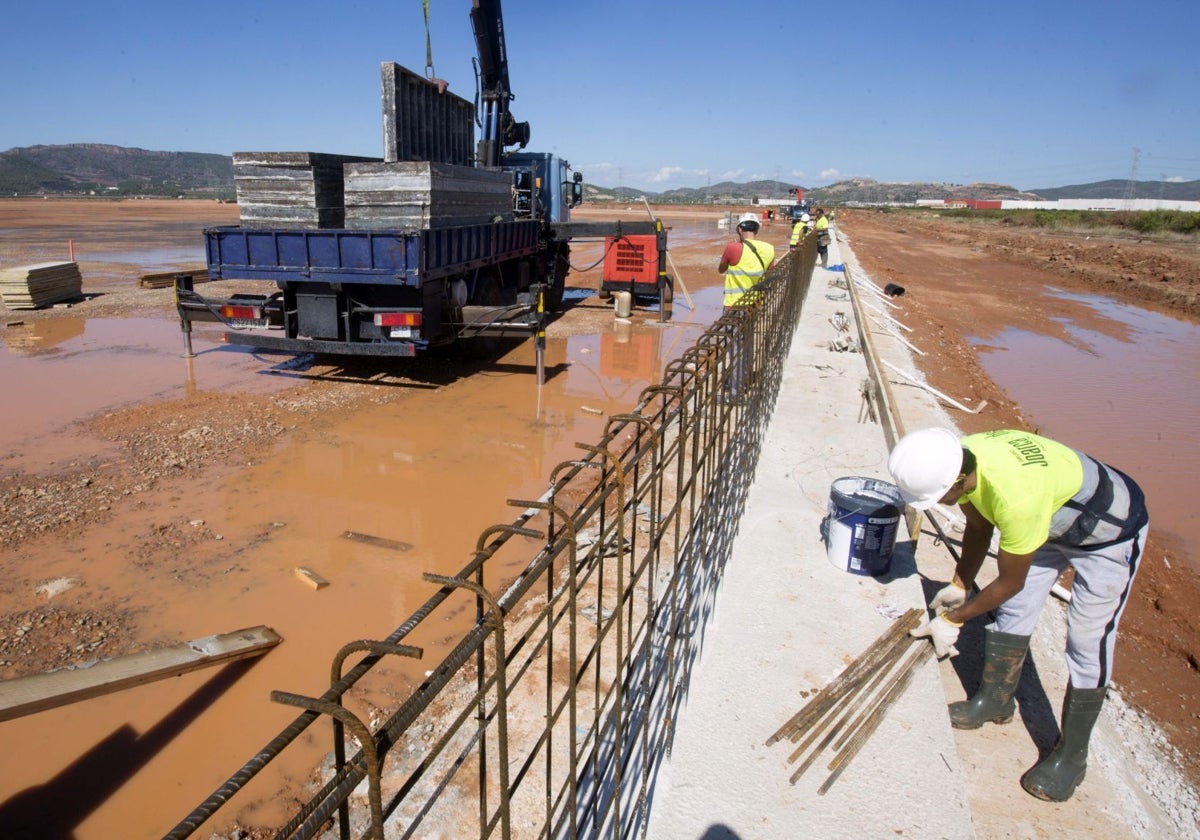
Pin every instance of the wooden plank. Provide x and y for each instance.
(166, 279)
(378, 542)
(36, 693)
(310, 577)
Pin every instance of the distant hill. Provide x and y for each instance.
(84, 168)
(868, 191)
(1163, 190)
(93, 168)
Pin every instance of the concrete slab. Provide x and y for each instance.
(788, 621)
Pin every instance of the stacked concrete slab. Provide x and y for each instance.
(425, 179)
(302, 190)
(411, 196)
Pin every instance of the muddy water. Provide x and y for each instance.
(61, 370)
(429, 471)
(1122, 389)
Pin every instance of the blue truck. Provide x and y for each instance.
(396, 285)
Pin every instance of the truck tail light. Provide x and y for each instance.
(397, 319)
(241, 313)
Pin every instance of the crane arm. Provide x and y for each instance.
(500, 129)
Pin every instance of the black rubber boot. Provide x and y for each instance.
(1056, 776)
(1003, 656)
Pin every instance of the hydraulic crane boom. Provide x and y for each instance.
(499, 128)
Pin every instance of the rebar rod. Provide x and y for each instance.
(894, 649)
(854, 727)
(832, 691)
(880, 656)
(899, 683)
(838, 686)
(852, 705)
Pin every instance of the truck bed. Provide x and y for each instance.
(364, 256)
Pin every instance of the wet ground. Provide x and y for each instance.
(173, 499)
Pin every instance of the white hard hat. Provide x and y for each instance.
(804, 217)
(925, 464)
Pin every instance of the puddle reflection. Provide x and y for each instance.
(1129, 400)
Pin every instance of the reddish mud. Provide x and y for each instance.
(149, 499)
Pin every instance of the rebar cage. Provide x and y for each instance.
(554, 705)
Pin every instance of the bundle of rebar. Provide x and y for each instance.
(849, 709)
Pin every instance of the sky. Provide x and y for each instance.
(653, 94)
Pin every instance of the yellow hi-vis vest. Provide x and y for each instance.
(749, 270)
(799, 230)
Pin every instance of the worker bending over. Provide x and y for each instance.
(744, 263)
(799, 231)
(1054, 507)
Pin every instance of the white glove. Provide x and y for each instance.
(949, 597)
(941, 632)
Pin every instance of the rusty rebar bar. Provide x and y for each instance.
(895, 688)
(828, 696)
(848, 705)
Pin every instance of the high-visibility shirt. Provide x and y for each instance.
(799, 230)
(748, 272)
(822, 230)
(1036, 490)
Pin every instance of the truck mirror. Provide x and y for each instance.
(577, 191)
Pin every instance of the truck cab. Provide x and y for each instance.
(543, 186)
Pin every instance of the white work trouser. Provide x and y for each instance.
(1103, 580)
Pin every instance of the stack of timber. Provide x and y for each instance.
(36, 286)
(291, 189)
(423, 194)
(165, 279)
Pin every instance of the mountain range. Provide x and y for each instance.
(98, 169)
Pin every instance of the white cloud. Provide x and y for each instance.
(1176, 179)
(829, 174)
(798, 174)
(666, 173)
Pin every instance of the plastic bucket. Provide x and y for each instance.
(860, 528)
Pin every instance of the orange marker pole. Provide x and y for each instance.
(71, 248)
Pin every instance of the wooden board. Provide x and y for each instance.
(166, 279)
(41, 285)
(310, 578)
(379, 542)
(36, 693)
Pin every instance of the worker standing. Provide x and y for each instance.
(744, 264)
(821, 229)
(1054, 507)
